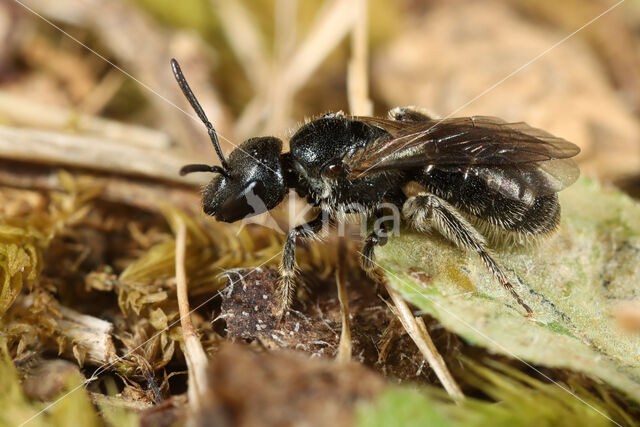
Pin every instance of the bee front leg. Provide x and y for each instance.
(425, 211)
(288, 263)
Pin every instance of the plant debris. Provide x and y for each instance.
(91, 205)
(249, 312)
(284, 388)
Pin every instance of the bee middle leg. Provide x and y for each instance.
(425, 211)
(380, 234)
(378, 237)
(288, 263)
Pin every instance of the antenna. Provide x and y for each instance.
(202, 168)
(188, 93)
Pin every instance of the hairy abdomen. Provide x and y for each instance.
(490, 209)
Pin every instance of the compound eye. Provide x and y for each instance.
(244, 204)
(333, 171)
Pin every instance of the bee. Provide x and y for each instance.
(455, 176)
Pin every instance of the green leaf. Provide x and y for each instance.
(574, 281)
(516, 400)
(402, 407)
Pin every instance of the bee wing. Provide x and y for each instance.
(521, 181)
(465, 141)
(509, 156)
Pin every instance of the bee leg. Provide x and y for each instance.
(380, 233)
(378, 237)
(426, 210)
(410, 114)
(288, 263)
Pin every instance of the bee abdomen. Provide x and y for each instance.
(540, 218)
(495, 213)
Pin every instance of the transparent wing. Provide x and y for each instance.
(527, 180)
(466, 141)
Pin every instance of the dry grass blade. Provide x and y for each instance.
(280, 97)
(418, 332)
(193, 351)
(328, 30)
(245, 40)
(149, 67)
(90, 153)
(357, 75)
(21, 111)
(345, 346)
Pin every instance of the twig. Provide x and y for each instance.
(245, 40)
(417, 330)
(93, 153)
(133, 191)
(344, 348)
(357, 75)
(193, 351)
(327, 31)
(19, 110)
(148, 66)
(90, 338)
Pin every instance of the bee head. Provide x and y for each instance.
(251, 183)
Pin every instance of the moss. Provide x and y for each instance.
(16, 408)
(515, 400)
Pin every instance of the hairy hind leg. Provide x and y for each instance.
(426, 210)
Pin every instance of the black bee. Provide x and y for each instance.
(454, 175)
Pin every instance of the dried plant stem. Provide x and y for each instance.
(344, 348)
(327, 31)
(148, 66)
(90, 338)
(417, 330)
(357, 75)
(247, 42)
(92, 153)
(92, 335)
(140, 193)
(193, 351)
(119, 402)
(21, 111)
